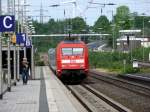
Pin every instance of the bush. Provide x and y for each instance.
(130, 69)
(114, 60)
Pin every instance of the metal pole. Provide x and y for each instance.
(113, 32)
(18, 16)
(32, 62)
(15, 65)
(18, 50)
(8, 65)
(1, 73)
(143, 39)
(131, 49)
(8, 6)
(14, 49)
(18, 62)
(22, 23)
(25, 52)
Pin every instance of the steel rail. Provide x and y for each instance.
(115, 81)
(104, 98)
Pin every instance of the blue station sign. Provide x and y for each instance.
(7, 23)
(21, 38)
(28, 43)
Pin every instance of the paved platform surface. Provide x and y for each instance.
(22, 98)
(59, 98)
(45, 95)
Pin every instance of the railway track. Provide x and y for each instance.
(130, 86)
(94, 101)
(130, 95)
(144, 80)
(98, 102)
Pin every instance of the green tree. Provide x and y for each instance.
(78, 25)
(143, 21)
(122, 18)
(102, 25)
(56, 27)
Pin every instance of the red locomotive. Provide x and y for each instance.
(70, 59)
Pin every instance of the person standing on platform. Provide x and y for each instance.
(25, 71)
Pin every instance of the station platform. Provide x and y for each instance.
(45, 94)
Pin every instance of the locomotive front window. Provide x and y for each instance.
(67, 51)
(77, 51)
(72, 51)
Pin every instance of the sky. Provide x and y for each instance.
(90, 12)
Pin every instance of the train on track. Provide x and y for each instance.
(70, 60)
